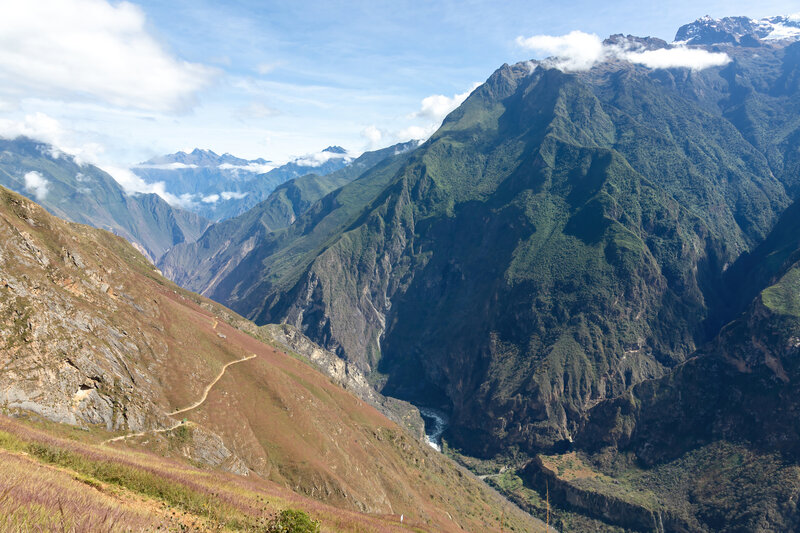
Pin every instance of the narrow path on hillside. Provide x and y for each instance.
(199, 402)
(143, 433)
(185, 409)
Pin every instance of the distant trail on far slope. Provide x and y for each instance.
(210, 385)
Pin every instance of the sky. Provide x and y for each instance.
(116, 83)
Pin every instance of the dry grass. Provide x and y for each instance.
(53, 484)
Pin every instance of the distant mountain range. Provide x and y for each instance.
(221, 186)
(86, 194)
(739, 30)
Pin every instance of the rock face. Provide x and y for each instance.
(740, 387)
(62, 359)
(561, 238)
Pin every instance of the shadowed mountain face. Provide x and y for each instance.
(200, 265)
(561, 238)
(83, 193)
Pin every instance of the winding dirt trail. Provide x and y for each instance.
(143, 433)
(195, 405)
(199, 402)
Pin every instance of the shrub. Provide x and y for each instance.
(293, 521)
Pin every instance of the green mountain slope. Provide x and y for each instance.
(87, 195)
(200, 265)
(559, 239)
(713, 445)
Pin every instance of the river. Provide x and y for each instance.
(435, 423)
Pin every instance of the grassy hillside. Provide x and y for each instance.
(94, 337)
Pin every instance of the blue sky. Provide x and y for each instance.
(277, 79)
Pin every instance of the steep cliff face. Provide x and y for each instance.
(562, 237)
(712, 445)
(738, 388)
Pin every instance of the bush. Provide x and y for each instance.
(293, 521)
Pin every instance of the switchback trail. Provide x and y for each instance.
(210, 385)
(185, 409)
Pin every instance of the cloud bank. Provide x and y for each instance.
(36, 184)
(574, 51)
(319, 158)
(577, 51)
(438, 106)
(91, 49)
(692, 58)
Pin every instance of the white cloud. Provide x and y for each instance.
(256, 168)
(36, 183)
(210, 199)
(373, 136)
(46, 129)
(578, 51)
(574, 51)
(782, 31)
(693, 58)
(416, 132)
(91, 49)
(134, 184)
(168, 166)
(319, 158)
(232, 195)
(438, 106)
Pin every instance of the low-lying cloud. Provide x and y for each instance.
(232, 195)
(577, 51)
(37, 185)
(574, 51)
(46, 129)
(167, 166)
(255, 168)
(692, 58)
(319, 158)
(438, 106)
(224, 195)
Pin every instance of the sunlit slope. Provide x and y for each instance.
(94, 336)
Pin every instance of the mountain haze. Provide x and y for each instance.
(86, 194)
(222, 186)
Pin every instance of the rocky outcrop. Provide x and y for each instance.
(604, 506)
(348, 376)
